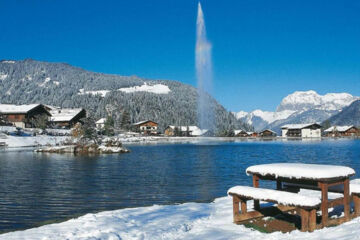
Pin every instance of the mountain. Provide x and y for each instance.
(298, 107)
(348, 116)
(60, 84)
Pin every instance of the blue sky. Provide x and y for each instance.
(262, 50)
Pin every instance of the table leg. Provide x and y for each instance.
(256, 184)
(347, 200)
(324, 204)
(278, 185)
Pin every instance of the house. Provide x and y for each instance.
(341, 131)
(146, 127)
(252, 134)
(307, 130)
(267, 133)
(100, 124)
(240, 133)
(23, 115)
(66, 117)
(192, 131)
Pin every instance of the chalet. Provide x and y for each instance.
(252, 134)
(23, 115)
(146, 127)
(308, 130)
(66, 117)
(240, 133)
(267, 133)
(192, 131)
(341, 131)
(100, 124)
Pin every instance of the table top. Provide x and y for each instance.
(315, 172)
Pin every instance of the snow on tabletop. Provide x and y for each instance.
(300, 170)
(285, 198)
(183, 221)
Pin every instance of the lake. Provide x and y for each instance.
(36, 188)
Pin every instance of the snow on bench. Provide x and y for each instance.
(301, 171)
(270, 195)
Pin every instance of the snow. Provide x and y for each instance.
(338, 128)
(300, 170)
(311, 99)
(297, 126)
(183, 221)
(157, 89)
(40, 140)
(64, 114)
(101, 121)
(7, 61)
(45, 82)
(3, 76)
(194, 130)
(269, 117)
(56, 83)
(10, 108)
(282, 197)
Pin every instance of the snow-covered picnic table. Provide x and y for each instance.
(316, 176)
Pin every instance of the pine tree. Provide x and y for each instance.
(109, 126)
(125, 120)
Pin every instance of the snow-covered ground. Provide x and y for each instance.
(184, 221)
(40, 140)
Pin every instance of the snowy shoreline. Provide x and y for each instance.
(182, 221)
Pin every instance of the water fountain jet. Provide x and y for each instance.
(203, 74)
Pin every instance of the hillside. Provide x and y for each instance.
(348, 116)
(60, 84)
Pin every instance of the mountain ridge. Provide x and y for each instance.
(28, 81)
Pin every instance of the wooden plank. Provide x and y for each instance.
(356, 199)
(324, 203)
(347, 200)
(312, 220)
(243, 206)
(256, 184)
(236, 212)
(304, 214)
(335, 202)
(248, 216)
(336, 221)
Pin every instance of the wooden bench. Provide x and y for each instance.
(354, 191)
(307, 206)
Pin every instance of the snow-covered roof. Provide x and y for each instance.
(17, 109)
(299, 126)
(338, 128)
(268, 130)
(141, 122)
(64, 114)
(236, 132)
(282, 197)
(101, 121)
(301, 171)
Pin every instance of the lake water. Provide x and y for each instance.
(42, 188)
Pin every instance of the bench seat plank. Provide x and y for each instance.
(275, 196)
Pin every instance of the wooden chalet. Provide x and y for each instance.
(66, 117)
(341, 131)
(147, 127)
(23, 115)
(240, 133)
(267, 133)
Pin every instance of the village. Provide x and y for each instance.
(41, 119)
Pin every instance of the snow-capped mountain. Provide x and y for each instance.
(298, 107)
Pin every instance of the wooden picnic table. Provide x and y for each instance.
(315, 176)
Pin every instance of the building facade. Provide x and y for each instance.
(310, 130)
(147, 127)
